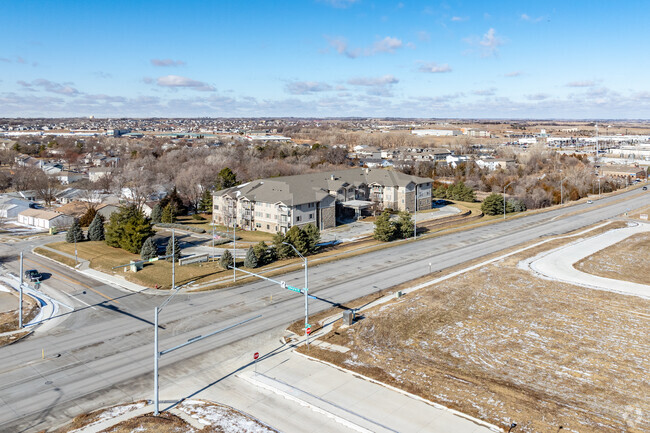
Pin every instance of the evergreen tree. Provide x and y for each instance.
(261, 253)
(128, 229)
(173, 247)
(96, 228)
(384, 229)
(88, 217)
(297, 237)
(313, 237)
(156, 214)
(493, 204)
(283, 251)
(149, 249)
(175, 200)
(226, 179)
(168, 214)
(225, 261)
(75, 233)
(251, 259)
(404, 226)
(205, 204)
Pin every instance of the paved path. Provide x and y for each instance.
(558, 263)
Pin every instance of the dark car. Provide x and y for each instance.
(33, 275)
(645, 188)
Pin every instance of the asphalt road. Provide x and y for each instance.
(102, 352)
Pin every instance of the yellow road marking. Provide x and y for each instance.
(72, 281)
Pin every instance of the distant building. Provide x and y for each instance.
(96, 173)
(10, 207)
(623, 171)
(436, 132)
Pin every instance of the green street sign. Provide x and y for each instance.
(294, 289)
(307, 326)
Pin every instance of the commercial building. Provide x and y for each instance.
(276, 204)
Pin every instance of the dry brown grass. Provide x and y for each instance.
(164, 423)
(54, 256)
(501, 345)
(12, 338)
(88, 418)
(627, 260)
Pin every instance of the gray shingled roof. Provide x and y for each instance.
(313, 187)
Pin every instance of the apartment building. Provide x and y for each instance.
(277, 204)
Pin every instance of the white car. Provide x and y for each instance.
(589, 202)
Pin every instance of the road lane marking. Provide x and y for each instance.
(72, 280)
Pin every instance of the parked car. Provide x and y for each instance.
(645, 188)
(33, 275)
(589, 202)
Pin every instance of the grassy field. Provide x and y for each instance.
(627, 260)
(104, 258)
(501, 345)
(246, 236)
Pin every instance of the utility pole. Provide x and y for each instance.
(20, 289)
(75, 250)
(213, 252)
(173, 261)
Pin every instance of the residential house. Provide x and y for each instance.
(96, 173)
(10, 207)
(44, 219)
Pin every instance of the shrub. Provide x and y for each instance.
(149, 249)
(88, 217)
(174, 248)
(128, 229)
(251, 259)
(226, 259)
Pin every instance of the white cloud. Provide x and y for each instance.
(386, 45)
(526, 17)
(459, 19)
(306, 87)
(513, 74)
(375, 86)
(339, 4)
(167, 62)
(434, 68)
(489, 43)
(538, 97)
(51, 86)
(369, 81)
(176, 81)
(485, 92)
(585, 83)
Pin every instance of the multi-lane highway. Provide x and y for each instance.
(101, 353)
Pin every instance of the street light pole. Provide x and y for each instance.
(415, 215)
(306, 288)
(75, 250)
(504, 199)
(156, 357)
(173, 261)
(20, 289)
(234, 251)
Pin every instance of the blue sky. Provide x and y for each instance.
(325, 58)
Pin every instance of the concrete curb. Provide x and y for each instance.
(408, 394)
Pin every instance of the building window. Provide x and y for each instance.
(311, 216)
(216, 207)
(297, 219)
(268, 215)
(258, 225)
(268, 227)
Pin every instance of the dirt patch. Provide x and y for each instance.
(165, 423)
(627, 260)
(503, 346)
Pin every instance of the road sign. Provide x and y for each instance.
(308, 330)
(256, 355)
